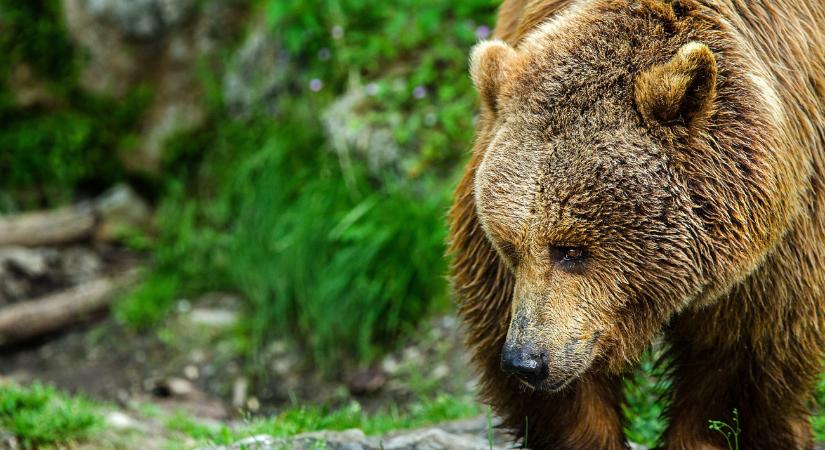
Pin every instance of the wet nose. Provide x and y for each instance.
(528, 365)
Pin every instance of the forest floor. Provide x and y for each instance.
(190, 380)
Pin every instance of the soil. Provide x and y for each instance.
(192, 361)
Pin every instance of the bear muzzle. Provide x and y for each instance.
(548, 369)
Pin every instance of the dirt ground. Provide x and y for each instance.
(192, 361)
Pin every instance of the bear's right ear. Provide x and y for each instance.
(680, 90)
(489, 63)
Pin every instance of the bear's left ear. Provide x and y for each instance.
(489, 64)
(680, 90)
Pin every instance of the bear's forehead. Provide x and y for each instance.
(583, 178)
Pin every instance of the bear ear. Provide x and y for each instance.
(680, 90)
(489, 64)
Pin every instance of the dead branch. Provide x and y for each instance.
(48, 227)
(29, 319)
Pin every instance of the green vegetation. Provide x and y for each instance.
(730, 431)
(65, 143)
(819, 419)
(40, 416)
(645, 402)
(340, 259)
(303, 419)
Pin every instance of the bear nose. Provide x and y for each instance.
(526, 364)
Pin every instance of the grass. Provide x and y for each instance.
(818, 420)
(644, 403)
(39, 415)
(341, 260)
(303, 419)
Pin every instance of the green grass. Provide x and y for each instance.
(69, 144)
(819, 419)
(303, 419)
(644, 405)
(39, 415)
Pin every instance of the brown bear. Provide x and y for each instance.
(647, 168)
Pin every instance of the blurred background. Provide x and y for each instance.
(225, 218)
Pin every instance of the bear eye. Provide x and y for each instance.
(568, 256)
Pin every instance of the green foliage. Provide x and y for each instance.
(149, 303)
(729, 431)
(819, 419)
(48, 155)
(39, 415)
(31, 31)
(644, 402)
(303, 419)
(51, 151)
(426, 55)
(342, 261)
(345, 267)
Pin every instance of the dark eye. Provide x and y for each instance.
(570, 257)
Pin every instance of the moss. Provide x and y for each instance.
(53, 152)
(34, 33)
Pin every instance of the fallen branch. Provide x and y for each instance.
(102, 218)
(48, 227)
(29, 319)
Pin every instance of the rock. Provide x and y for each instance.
(178, 393)
(120, 209)
(79, 265)
(257, 74)
(240, 392)
(27, 89)
(435, 439)
(121, 421)
(8, 440)
(29, 262)
(213, 317)
(141, 19)
(450, 436)
(390, 365)
(353, 135)
(173, 387)
(26, 272)
(366, 381)
(162, 43)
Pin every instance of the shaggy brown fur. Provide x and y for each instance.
(678, 146)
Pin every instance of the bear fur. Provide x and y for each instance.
(646, 169)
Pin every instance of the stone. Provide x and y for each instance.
(120, 209)
(141, 19)
(79, 264)
(353, 135)
(121, 421)
(256, 74)
(367, 381)
(162, 43)
(213, 317)
(31, 263)
(8, 440)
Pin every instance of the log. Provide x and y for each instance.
(116, 209)
(29, 319)
(48, 227)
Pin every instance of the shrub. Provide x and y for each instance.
(51, 152)
(344, 267)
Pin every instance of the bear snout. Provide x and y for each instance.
(527, 364)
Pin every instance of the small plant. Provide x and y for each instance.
(731, 432)
(526, 430)
(39, 415)
(490, 426)
(303, 419)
